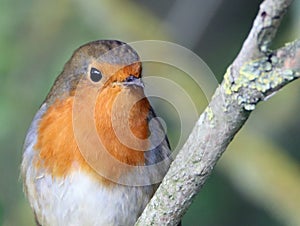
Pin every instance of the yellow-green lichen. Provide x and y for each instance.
(256, 79)
(227, 82)
(209, 113)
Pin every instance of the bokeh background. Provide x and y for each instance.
(256, 182)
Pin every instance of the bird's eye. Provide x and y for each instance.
(95, 75)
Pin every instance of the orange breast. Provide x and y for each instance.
(58, 149)
(122, 125)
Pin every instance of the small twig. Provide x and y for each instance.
(262, 33)
(255, 74)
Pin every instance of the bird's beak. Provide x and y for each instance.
(132, 80)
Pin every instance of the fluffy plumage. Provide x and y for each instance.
(62, 185)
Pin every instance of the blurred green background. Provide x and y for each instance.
(257, 181)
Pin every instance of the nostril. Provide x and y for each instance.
(130, 78)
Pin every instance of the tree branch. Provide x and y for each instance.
(255, 74)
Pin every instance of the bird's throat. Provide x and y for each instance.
(121, 116)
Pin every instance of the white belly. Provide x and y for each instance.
(81, 200)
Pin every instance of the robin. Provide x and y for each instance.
(90, 152)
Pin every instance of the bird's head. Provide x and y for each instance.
(103, 63)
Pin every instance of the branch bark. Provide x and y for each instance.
(256, 74)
